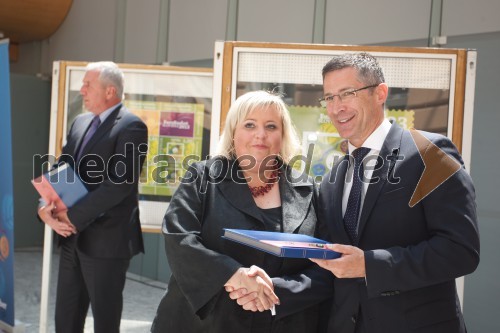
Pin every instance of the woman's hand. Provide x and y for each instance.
(252, 288)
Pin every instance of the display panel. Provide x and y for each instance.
(420, 94)
(426, 89)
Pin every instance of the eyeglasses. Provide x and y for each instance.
(343, 96)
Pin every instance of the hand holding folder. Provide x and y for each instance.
(282, 244)
(62, 186)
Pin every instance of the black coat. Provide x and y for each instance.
(107, 218)
(208, 200)
(412, 254)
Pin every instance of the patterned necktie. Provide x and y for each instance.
(354, 202)
(92, 128)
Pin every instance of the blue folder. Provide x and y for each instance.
(282, 244)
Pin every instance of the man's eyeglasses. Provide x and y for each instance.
(343, 96)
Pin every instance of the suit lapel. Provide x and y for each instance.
(392, 141)
(79, 133)
(295, 203)
(296, 197)
(234, 188)
(340, 170)
(105, 127)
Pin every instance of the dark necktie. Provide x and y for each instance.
(354, 202)
(92, 128)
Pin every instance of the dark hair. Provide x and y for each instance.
(367, 67)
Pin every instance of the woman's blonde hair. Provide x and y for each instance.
(239, 111)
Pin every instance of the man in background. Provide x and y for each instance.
(101, 232)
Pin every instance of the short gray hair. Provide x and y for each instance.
(239, 111)
(109, 74)
(366, 65)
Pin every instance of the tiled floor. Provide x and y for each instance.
(141, 297)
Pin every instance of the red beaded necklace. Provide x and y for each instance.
(263, 189)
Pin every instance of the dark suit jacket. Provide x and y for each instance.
(412, 255)
(107, 218)
(209, 200)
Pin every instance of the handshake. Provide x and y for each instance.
(252, 288)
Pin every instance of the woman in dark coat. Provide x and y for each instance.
(249, 185)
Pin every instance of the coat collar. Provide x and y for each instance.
(391, 146)
(296, 192)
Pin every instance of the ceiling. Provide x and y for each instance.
(31, 20)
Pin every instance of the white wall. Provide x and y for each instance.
(369, 22)
(87, 33)
(466, 17)
(141, 31)
(194, 27)
(128, 30)
(289, 21)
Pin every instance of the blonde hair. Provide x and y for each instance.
(239, 111)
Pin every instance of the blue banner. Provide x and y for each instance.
(6, 193)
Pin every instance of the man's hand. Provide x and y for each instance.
(62, 228)
(350, 265)
(63, 217)
(252, 288)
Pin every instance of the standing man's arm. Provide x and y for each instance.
(451, 251)
(123, 172)
(61, 227)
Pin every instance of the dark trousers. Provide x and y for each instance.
(360, 325)
(84, 280)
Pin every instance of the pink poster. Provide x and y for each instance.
(177, 124)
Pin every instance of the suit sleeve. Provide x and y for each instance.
(123, 172)
(199, 271)
(450, 251)
(298, 292)
(312, 286)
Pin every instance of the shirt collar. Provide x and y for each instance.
(376, 140)
(105, 114)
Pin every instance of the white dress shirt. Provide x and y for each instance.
(375, 142)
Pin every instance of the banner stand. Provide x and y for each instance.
(7, 322)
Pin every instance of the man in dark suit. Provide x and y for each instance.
(101, 232)
(404, 236)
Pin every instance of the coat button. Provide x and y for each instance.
(353, 319)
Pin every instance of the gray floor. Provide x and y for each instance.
(141, 296)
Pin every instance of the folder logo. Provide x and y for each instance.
(439, 167)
